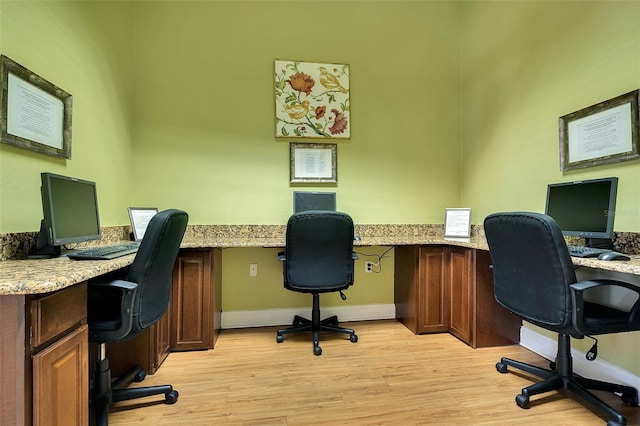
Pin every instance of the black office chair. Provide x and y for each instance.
(120, 309)
(535, 279)
(318, 258)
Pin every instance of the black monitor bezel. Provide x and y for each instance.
(297, 194)
(48, 214)
(608, 233)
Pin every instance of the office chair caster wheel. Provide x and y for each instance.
(501, 367)
(353, 338)
(279, 338)
(630, 399)
(171, 397)
(317, 350)
(522, 401)
(140, 375)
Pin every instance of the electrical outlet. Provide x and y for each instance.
(253, 269)
(368, 266)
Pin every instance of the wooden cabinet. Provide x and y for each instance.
(440, 288)
(58, 349)
(460, 278)
(61, 381)
(420, 292)
(192, 321)
(196, 300)
(147, 350)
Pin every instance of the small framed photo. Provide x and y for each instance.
(36, 114)
(313, 162)
(600, 134)
(140, 217)
(457, 223)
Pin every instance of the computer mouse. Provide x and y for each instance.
(356, 237)
(613, 255)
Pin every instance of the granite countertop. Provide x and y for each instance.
(21, 277)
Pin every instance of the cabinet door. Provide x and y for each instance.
(432, 294)
(192, 301)
(61, 381)
(460, 270)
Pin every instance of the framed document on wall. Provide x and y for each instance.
(36, 114)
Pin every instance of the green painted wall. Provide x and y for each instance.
(204, 105)
(86, 49)
(524, 65)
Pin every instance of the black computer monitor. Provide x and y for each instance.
(584, 209)
(70, 211)
(308, 200)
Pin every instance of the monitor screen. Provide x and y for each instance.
(305, 200)
(584, 208)
(70, 209)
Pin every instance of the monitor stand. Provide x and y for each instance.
(602, 243)
(43, 250)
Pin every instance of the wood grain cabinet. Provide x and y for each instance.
(59, 357)
(450, 289)
(192, 321)
(196, 300)
(420, 290)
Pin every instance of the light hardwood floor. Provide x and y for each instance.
(389, 377)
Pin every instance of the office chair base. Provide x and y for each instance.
(562, 377)
(104, 392)
(314, 325)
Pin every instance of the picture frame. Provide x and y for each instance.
(140, 217)
(457, 223)
(313, 162)
(36, 114)
(603, 133)
(312, 100)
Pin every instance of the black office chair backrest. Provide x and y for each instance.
(319, 252)
(532, 268)
(152, 267)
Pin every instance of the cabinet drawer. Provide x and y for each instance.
(57, 313)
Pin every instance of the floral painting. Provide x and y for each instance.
(312, 100)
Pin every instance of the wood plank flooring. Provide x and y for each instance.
(389, 377)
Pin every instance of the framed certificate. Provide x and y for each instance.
(457, 223)
(36, 114)
(140, 217)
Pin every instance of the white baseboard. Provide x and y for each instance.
(597, 369)
(284, 316)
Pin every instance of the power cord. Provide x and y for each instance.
(377, 265)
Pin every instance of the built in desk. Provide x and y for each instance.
(43, 325)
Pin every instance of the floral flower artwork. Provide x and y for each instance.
(312, 100)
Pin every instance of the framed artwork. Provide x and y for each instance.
(312, 100)
(603, 133)
(36, 114)
(313, 162)
(457, 223)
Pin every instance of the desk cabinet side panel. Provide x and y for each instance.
(14, 403)
(192, 301)
(406, 286)
(494, 325)
(460, 270)
(433, 294)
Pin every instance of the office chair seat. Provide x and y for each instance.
(535, 279)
